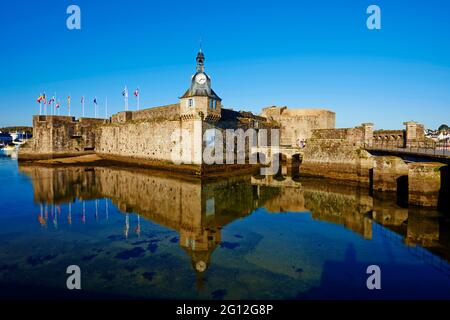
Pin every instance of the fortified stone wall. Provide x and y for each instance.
(338, 154)
(394, 138)
(150, 141)
(60, 136)
(235, 121)
(169, 112)
(297, 124)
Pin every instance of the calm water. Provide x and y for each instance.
(141, 234)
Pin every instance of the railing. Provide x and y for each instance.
(425, 148)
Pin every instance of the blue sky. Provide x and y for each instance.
(299, 53)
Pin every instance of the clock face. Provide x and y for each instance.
(200, 78)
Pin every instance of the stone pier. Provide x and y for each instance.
(424, 183)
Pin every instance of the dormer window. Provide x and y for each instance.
(211, 103)
(215, 104)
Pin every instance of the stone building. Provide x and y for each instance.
(153, 136)
(296, 125)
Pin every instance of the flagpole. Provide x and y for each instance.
(125, 95)
(40, 108)
(138, 97)
(95, 107)
(69, 104)
(54, 106)
(106, 108)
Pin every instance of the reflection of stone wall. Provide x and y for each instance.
(422, 230)
(175, 203)
(289, 199)
(341, 205)
(389, 214)
(62, 185)
(418, 226)
(198, 209)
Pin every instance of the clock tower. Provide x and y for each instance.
(200, 99)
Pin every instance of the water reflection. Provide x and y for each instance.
(198, 211)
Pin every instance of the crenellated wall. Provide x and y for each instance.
(338, 154)
(297, 124)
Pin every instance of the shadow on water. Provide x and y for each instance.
(402, 191)
(347, 279)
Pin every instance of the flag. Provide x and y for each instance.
(95, 101)
(40, 98)
(57, 105)
(136, 92)
(68, 99)
(125, 92)
(82, 99)
(44, 98)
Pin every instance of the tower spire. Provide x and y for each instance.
(200, 60)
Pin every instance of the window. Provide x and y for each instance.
(215, 104)
(211, 103)
(190, 103)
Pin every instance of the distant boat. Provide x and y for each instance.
(9, 148)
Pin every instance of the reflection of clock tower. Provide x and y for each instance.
(200, 99)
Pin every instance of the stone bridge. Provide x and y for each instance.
(288, 156)
(420, 151)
